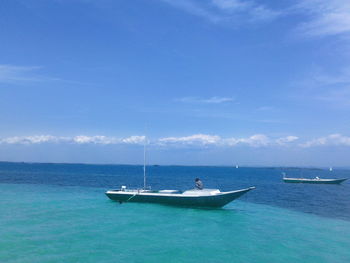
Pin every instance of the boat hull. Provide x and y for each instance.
(313, 181)
(217, 200)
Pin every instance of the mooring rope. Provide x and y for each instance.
(131, 197)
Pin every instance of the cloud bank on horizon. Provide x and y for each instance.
(201, 140)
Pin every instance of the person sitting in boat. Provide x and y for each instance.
(199, 184)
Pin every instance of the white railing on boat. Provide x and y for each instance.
(133, 189)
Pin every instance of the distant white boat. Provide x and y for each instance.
(330, 169)
(236, 166)
(316, 180)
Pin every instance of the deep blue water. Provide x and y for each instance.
(323, 200)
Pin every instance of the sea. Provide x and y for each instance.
(59, 213)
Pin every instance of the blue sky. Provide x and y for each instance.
(214, 82)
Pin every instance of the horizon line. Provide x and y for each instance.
(184, 165)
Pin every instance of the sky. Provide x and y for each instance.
(202, 82)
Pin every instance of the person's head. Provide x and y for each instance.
(197, 179)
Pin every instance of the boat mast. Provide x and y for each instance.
(144, 164)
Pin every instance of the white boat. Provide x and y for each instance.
(314, 180)
(192, 198)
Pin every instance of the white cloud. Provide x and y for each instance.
(226, 11)
(81, 139)
(231, 4)
(287, 139)
(134, 139)
(326, 17)
(211, 100)
(333, 139)
(256, 140)
(217, 100)
(321, 17)
(9, 74)
(22, 74)
(202, 139)
(31, 139)
(196, 9)
(254, 11)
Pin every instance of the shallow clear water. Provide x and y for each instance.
(61, 214)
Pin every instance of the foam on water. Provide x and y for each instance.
(41, 223)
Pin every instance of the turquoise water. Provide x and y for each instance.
(324, 200)
(51, 223)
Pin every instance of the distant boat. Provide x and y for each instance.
(236, 166)
(314, 180)
(330, 169)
